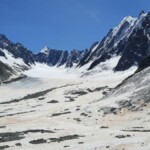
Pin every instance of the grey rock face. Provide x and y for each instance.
(18, 50)
(5, 72)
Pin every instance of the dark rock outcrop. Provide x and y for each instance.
(137, 46)
(5, 72)
(144, 64)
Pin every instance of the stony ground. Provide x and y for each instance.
(69, 113)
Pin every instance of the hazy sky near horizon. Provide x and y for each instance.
(63, 24)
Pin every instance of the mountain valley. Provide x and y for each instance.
(93, 99)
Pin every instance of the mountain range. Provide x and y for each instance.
(93, 99)
(129, 41)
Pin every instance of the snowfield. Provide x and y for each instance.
(59, 109)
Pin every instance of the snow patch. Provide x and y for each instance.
(45, 50)
(13, 62)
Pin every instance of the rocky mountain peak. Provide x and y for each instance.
(45, 50)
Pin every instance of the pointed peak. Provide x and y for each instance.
(141, 13)
(46, 47)
(45, 50)
(129, 19)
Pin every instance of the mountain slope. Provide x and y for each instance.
(132, 94)
(17, 50)
(14, 58)
(138, 44)
(112, 43)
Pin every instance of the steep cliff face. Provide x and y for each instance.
(5, 72)
(144, 64)
(137, 46)
(130, 40)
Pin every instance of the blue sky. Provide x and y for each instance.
(63, 24)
